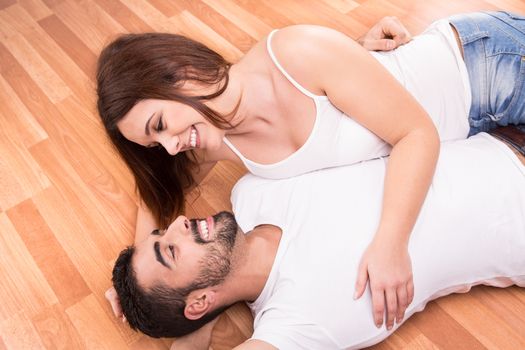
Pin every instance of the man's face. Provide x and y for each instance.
(196, 251)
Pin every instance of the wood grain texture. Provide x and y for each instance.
(68, 204)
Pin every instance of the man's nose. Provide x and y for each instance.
(171, 144)
(181, 224)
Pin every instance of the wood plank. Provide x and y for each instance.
(89, 22)
(249, 22)
(20, 176)
(449, 334)
(107, 233)
(343, 6)
(82, 246)
(15, 20)
(152, 16)
(37, 68)
(56, 331)
(90, 320)
(265, 13)
(482, 322)
(17, 119)
(217, 22)
(36, 8)
(197, 30)
(23, 288)
(147, 343)
(62, 276)
(70, 43)
(6, 3)
(505, 304)
(321, 15)
(69, 71)
(123, 15)
(90, 135)
(19, 333)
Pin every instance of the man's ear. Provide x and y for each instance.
(198, 303)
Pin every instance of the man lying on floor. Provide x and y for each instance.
(294, 251)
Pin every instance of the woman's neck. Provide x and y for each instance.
(247, 94)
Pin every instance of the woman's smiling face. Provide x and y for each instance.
(173, 125)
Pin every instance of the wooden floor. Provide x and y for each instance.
(67, 203)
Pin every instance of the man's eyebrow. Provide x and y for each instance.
(158, 256)
(146, 128)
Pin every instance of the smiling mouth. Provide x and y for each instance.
(206, 229)
(194, 137)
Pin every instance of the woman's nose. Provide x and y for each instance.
(171, 144)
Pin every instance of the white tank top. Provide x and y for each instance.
(432, 70)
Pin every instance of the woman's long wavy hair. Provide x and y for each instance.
(135, 67)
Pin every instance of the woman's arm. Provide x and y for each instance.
(359, 86)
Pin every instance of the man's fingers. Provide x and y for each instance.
(401, 39)
(393, 28)
(360, 284)
(391, 302)
(112, 297)
(402, 303)
(379, 44)
(378, 305)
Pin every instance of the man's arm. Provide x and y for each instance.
(198, 340)
(387, 34)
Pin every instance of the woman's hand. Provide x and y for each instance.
(112, 297)
(387, 266)
(387, 34)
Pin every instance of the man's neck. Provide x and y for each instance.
(252, 264)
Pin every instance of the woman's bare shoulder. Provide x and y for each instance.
(305, 51)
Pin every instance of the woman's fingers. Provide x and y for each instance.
(362, 278)
(391, 312)
(378, 305)
(410, 290)
(402, 303)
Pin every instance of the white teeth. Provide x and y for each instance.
(204, 228)
(193, 137)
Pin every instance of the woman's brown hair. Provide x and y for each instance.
(135, 67)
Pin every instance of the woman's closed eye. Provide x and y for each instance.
(160, 125)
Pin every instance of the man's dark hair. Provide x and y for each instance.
(159, 311)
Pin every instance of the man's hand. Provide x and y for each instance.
(198, 340)
(387, 266)
(387, 34)
(112, 297)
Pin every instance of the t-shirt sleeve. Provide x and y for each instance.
(257, 201)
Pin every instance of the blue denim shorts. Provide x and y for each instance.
(494, 52)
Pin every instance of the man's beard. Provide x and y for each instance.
(216, 264)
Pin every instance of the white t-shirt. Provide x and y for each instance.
(471, 230)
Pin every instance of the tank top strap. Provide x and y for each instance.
(284, 72)
(236, 151)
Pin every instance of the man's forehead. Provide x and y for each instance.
(144, 263)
